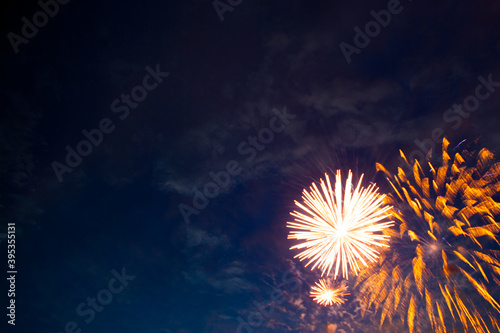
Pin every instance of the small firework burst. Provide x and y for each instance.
(444, 255)
(325, 293)
(342, 227)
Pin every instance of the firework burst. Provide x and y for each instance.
(341, 227)
(325, 293)
(443, 260)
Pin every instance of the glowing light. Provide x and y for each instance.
(341, 227)
(324, 293)
(444, 253)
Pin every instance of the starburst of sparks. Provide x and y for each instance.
(444, 256)
(341, 227)
(325, 293)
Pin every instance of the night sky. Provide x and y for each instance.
(151, 151)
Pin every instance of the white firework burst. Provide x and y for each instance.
(341, 227)
(325, 293)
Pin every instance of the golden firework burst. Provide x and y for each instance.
(325, 293)
(444, 255)
(342, 227)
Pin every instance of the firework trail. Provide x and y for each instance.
(325, 293)
(342, 227)
(444, 259)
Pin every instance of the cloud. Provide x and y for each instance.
(228, 280)
(198, 237)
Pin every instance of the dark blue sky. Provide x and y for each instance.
(219, 109)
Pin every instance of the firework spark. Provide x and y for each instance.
(325, 293)
(341, 227)
(444, 256)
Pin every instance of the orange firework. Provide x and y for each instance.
(342, 227)
(325, 293)
(444, 258)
